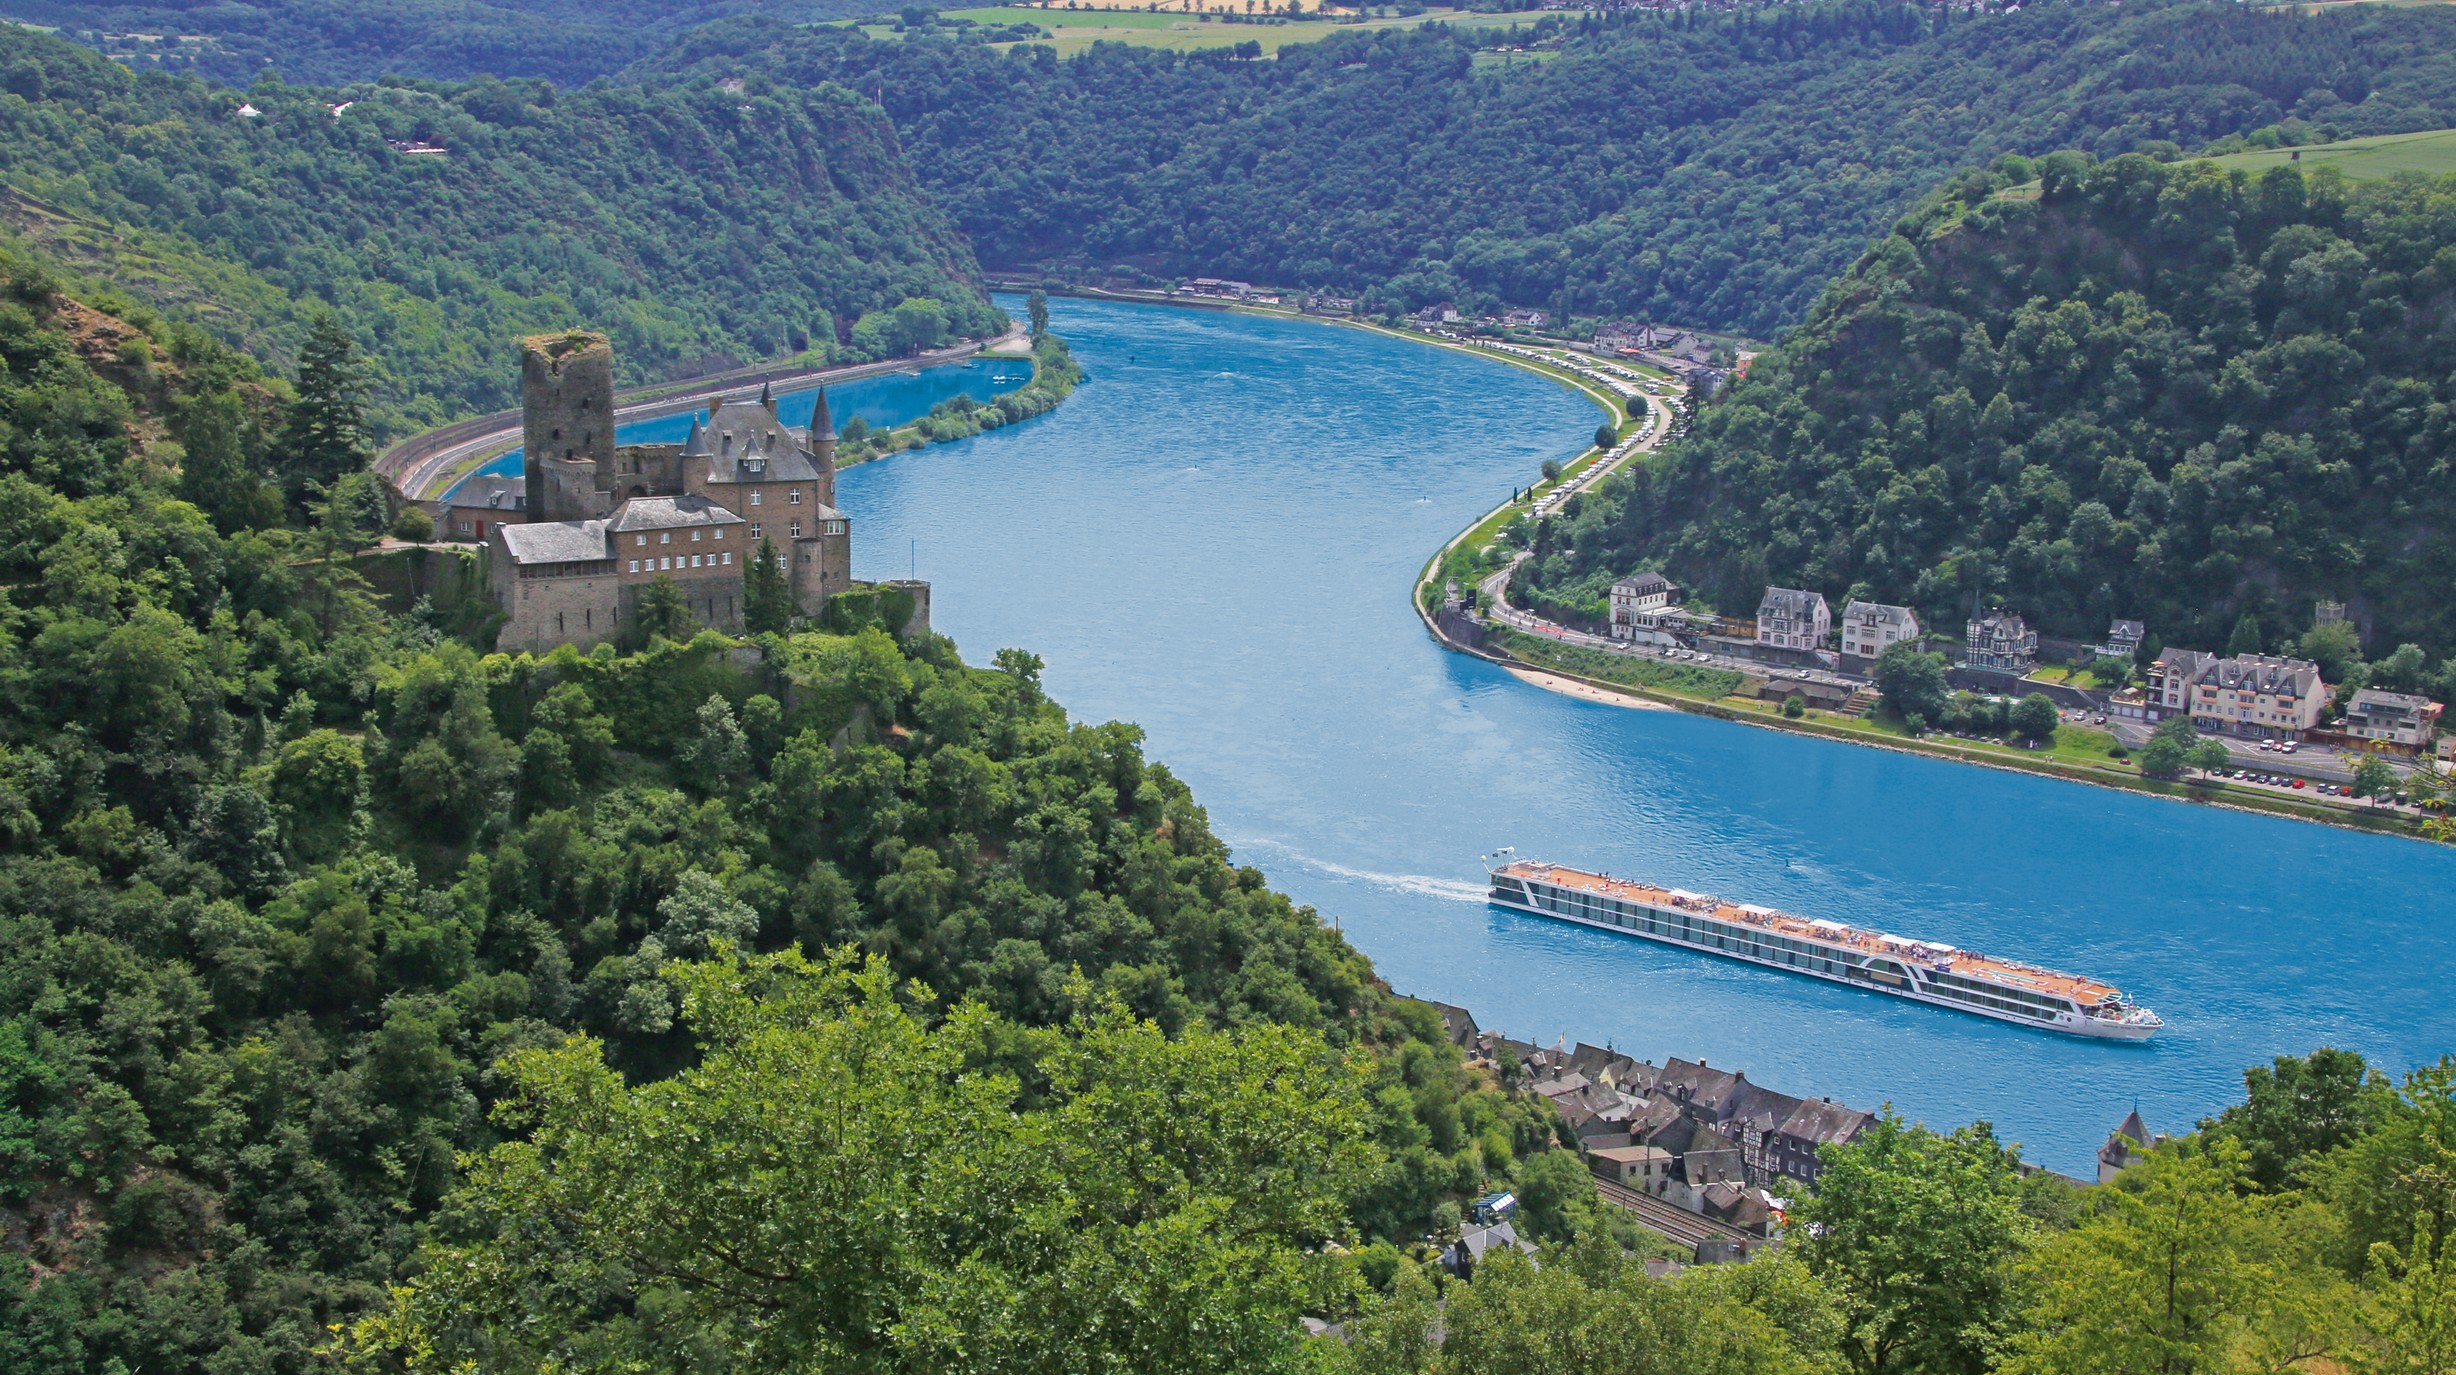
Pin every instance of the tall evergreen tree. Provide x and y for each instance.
(767, 601)
(1037, 306)
(2246, 637)
(327, 436)
(216, 474)
(663, 611)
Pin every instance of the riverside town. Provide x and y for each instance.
(1227, 687)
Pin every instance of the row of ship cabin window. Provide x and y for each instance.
(675, 561)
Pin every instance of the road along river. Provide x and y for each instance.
(1216, 537)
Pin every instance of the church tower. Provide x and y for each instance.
(567, 422)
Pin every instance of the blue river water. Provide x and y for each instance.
(893, 398)
(1215, 538)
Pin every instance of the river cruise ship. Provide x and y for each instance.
(1923, 971)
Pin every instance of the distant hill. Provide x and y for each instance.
(565, 41)
(1708, 169)
(2178, 393)
(700, 225)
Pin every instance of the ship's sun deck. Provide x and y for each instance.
(1927, 954)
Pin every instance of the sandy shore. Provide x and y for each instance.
(1571, 687)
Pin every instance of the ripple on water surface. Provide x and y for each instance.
(1215, 539)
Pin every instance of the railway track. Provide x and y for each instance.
(1679, 1224)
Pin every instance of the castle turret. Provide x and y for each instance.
(823, 448)
(567, 422)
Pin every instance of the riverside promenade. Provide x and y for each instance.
(425, 466)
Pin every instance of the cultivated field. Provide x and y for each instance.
(1179, 25)
(2381, 155)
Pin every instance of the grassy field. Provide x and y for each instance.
(2381, 155)
(1177, 28)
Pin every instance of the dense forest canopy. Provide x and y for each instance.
(568, 42)
(284, 876)
(1712, 169)
(2167, 392)
(700, 227)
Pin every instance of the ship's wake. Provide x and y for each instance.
(1424, 885)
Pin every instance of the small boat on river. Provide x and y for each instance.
(1920, 970)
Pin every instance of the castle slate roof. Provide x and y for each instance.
(822, 424)
(1791, 602)
(668, 513)
(492, 491)
(556, 541)
(747, 443)
(1646, 584)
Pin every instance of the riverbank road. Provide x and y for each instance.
(1494, 588)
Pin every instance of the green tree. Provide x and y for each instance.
(317, 788)
(840, 1183)
(2334, 646)
(352, 513)
(587, 733)
(2181, 1272)
(2297, 1109)
(2405, 670)
(1911, 680)
(1592, 1310)
(663, 613)
(1914, 1232)
(215, 471)
(1605, 437)
(2246, 636)
(1036, 306)
(2396, 1184)
(2208, 756)
(717, 753)
(2034, 717)
(767, 599)
(326, 438)
(2409, 1314)
(2163, 758)
(2373, 778)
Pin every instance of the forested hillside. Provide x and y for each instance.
(567, 42)
(700, 227)
(284, 877)
(2163, 392)
(1709, 169)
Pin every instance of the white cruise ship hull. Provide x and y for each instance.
(1670, 927)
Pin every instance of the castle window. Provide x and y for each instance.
(728, 558)
(754, 496)
(720, 533)
(635, 565)
(794, 497)
(754, 532)
(665, 537)
(643, 541)
(694, 537)
(797, 529)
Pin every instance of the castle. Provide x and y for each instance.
(605, 521)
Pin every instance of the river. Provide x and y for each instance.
(1215, 538)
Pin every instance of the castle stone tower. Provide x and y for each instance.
(567, 422)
